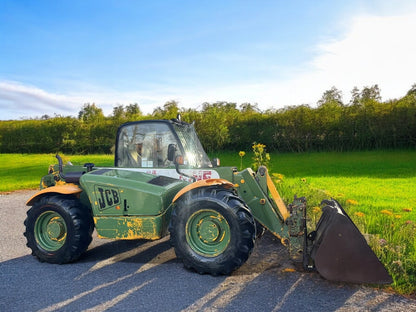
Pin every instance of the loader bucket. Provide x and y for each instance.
(341, 253)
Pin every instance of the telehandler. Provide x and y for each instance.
(163, 183)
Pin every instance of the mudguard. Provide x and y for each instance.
(65, 189)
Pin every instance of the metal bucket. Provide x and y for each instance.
(341, 253)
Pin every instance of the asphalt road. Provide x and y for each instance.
(141, 275)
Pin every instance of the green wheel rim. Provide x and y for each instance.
(50, 231)
(207, 233)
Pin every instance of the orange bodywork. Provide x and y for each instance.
(60, 189)
(202, 183)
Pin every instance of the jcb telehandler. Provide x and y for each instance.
(163, 183)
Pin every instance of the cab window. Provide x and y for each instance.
(144, 145)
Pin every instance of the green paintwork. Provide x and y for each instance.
(50, 231)
(128, 204)
(207, 232)
(125, 227)
(252, 188)
(263, 209)
(115, 192)
(226, 173)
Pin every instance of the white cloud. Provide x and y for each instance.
(376, 50)
(19, 100)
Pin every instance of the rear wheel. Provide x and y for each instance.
(58, 229)
(212, 230)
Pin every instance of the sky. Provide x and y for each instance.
(56, 56)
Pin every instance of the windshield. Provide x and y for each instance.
(194, 152)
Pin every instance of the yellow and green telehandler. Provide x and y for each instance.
(162, 183)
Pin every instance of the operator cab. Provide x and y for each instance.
(153, 143)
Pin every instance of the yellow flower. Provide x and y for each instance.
(359, 214)
(316, 209)
(303, 179)
(278, 176)
(397, 216)
(241, 153)
(386, 212)
(407, 209)
(259, 148)
(327, 194)
(352, 202)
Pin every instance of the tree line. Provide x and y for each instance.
(364, 123)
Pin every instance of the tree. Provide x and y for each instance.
(118, 112)
(412, 90)
(332, 96)
(213, 127)
(133, 111)
(371, 93)
(329, 112)
(355, 96)
(90, 113)
(169, 111)
(249, 108)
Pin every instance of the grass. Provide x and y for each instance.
(23, 171)
(376, 188)
(370, 180)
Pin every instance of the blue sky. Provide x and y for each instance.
(57, 55)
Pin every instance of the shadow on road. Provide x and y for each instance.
(145, 275)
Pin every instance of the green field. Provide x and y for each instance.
(23, 171)
(377, 189)
(371, 181)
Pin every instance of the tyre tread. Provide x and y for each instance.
(82, 227)
(237, 209)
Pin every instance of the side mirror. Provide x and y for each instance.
(178, 160)
(171, 152)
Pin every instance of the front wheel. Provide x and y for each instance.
(212, 230)
(58, 229)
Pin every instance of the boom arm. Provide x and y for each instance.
(286, 223)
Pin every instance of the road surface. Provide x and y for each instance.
(146, 276)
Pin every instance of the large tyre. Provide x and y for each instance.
(58, 229)
(212, 230)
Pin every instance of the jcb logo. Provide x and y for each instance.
(107, 197)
